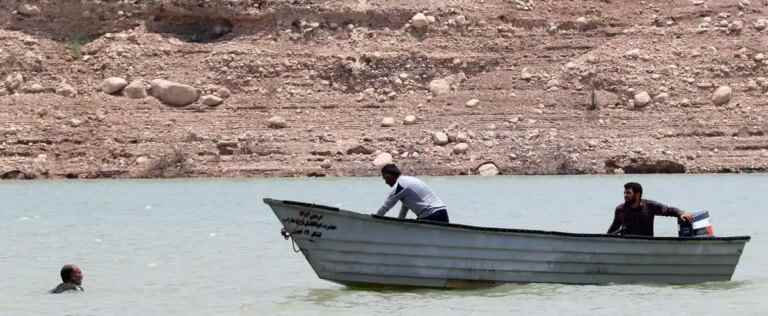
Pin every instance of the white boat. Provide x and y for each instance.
(360, 249)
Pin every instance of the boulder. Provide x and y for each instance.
(27, 9)
(409, 120)
(277, 122)
(113, 85)
(440, 138)
(722, 95)
(760, 24)
(223, 93)
(173, 93)
(632, 53)
(66, 90)
(211, 100)
(388, 122)
(642, 99)
(137, 89)
(460, 148)
(382, 160)
(472, 103)
(14, 81)
(35, 88)
(440, 87)
(488, 169)
(360, 150)
(420, 21)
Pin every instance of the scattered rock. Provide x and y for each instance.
(382, 160)
(223, 93)
(661, 97)
(642, 99)
(173, 93)
(462, 20)
(113, 85)
(440, 87)
(462, 137)
(360, 150)
(460, 148)
(35, 88)
(27, 9)
(632, 54)
(488, 169)
(227, 148)
(722, 95)
(752, 85)
(554, 83)
(66, 90)
(472, 103)
(420, 21)
(606, 99)
(14, 81)
(137, 89)
(409, 120)
(211, 100)
(760, 24)
(277, 122)
(525, 75)
(440, 138)
(388, 122)
(735, 27)
(75, 122)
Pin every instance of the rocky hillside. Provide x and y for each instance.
(174, 88)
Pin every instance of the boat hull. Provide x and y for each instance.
(354, 249)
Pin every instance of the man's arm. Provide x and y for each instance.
(391, 200)
(671, 211)
(617, 222)
(403, 211)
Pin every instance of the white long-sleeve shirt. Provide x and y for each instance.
(413, 194)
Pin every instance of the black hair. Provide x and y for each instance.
(66, 273)
(391, 169)
(635, 187)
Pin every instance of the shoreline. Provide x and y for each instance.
(374, 174)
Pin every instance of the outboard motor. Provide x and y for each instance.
(700, 227)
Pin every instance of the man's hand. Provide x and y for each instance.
(686, 217)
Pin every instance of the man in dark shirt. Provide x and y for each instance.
(71, 280)
(635, 216)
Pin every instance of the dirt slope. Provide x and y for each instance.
(333, 70)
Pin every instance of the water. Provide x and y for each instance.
(211, 247)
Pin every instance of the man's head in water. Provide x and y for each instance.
(390, 173)
(71, 274)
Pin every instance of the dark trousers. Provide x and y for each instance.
(436, 216)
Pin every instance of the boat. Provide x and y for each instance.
(357, 249)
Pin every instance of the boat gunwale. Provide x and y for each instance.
(320, 207)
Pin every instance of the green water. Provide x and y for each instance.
(211, 247)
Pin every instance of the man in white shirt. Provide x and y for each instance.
(414, 195)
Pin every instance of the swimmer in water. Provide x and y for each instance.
(71, 278)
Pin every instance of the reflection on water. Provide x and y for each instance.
(351, 296)
(718, 286)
